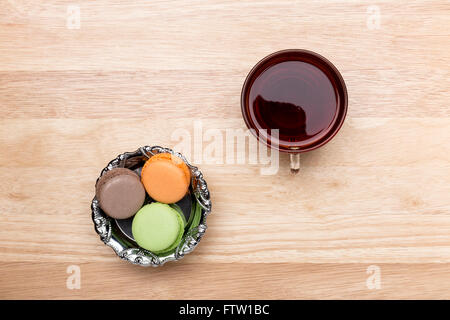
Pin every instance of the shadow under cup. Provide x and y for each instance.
(299, 93)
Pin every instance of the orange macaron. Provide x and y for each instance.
(166, 178)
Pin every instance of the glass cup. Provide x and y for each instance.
(298, 94)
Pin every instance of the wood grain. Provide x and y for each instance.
(378, 194)
(246, 281)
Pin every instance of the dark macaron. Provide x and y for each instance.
(120, 193)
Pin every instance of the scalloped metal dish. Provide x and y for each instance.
(136, 255)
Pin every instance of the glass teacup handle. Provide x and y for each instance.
(295, 162)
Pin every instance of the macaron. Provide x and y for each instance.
(120, 193)
(166, 178)
(157, 227)
(184, 207)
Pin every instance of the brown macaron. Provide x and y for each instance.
(120, 193)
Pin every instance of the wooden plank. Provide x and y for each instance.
(225, 281)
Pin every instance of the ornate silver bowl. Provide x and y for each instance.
(126, 250)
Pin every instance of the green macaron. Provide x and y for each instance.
(158, 228)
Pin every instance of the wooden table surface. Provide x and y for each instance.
(367, 217)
